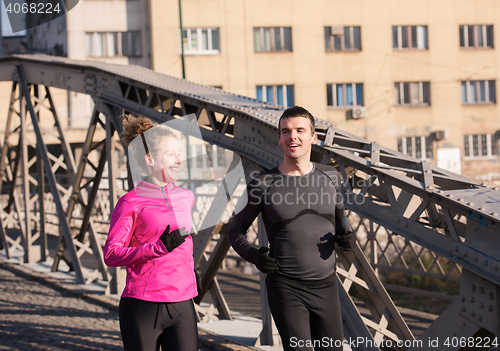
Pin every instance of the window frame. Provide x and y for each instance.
(332, 95)
(221, 156)
(260, 46)
(199, 41)
(421, 100)
(106, 44)
(285, 89)
(410, 34)
(474, 146)
(487, 32)
(424, 141)
(472, 92)
(332, 33)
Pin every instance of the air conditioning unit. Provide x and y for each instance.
(337, 30)
(357, 112)
(440, 134)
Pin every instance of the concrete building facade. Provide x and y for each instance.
(114, 31)
(419, 76)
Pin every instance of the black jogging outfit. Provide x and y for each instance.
(301, 215)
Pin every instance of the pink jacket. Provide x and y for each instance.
(137, 222)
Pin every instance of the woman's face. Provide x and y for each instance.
(167, 160)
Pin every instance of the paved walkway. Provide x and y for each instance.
(40, 310)
(36, 316)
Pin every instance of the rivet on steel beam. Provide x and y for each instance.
(481, 290)
(470, 204)
(475, 258)
(480, 318)
(494, 214)
(496, 268)
(440, 191)
(460, 199)
(491, 296)
(473, 287)
(463, 309)
(481, 208)
(450, 196)
(490, 308)
(473, 314)
(481, 305)
(472, 299)
(462, 298)
(485, 263)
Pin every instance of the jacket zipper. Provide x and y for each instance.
(164, 197)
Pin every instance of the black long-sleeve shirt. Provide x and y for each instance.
(301, 214)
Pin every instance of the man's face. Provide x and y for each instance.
(167, 160)
(296, 137)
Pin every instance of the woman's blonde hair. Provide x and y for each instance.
(150, 132)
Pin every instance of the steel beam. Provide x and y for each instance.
(454, 217)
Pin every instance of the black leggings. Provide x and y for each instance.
(145, 325)
(307, 314)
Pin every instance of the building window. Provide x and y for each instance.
(282, 95)
(113, 44)
(199, 155)
(480, 145)
(338, 38)
(409, 37)
(210, 151)
(131, 44)
(272, 39)
(109, 44)
(202, 41)
(221, 157)
(346, 94)
(478, 91)
(416, 146)
(412, 93)
(476, 36)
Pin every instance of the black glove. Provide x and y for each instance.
(174, 238)
(263, 262)
(345, 240)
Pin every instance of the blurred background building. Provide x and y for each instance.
(418, 76)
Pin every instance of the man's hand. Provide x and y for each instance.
(345, 240)
(263, 262)
(174, 238)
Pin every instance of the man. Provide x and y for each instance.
(304, 216)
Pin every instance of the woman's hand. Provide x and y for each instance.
(174, 238)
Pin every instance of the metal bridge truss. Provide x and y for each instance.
(443, 213)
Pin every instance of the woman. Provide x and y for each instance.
(149, 234)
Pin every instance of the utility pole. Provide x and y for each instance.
(188, 151)
(182, 41)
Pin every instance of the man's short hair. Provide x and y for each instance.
(297, 111)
